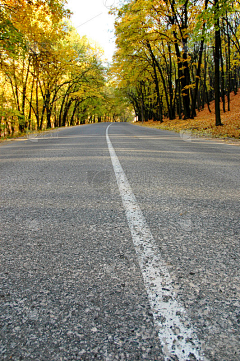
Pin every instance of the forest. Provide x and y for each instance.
(172, 59)
(50, 76)
(175, 56)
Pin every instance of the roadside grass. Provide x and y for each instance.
(204, 123)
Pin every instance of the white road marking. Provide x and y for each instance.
(177, 337)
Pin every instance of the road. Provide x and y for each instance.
(119, 243)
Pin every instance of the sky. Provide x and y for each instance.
(91, 18)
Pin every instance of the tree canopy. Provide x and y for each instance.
(50, 76)
(173, 57)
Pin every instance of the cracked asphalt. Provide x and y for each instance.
(71, 286)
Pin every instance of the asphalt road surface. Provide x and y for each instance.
(119, 243)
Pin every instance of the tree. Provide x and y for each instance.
(216, 62)
(52, 73)
(171, 42)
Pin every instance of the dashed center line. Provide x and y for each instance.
(177, 337)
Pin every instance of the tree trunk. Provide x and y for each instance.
(162, 77)
(159, 108)
(184, 77)
(216, 62)
(170, 84)
(198, 73)
(228, 54)
(222, 79)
